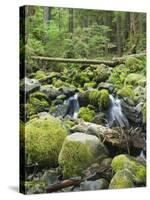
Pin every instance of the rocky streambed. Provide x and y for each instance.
(84, 127)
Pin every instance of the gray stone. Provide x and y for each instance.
(94, 185)
(107, 86)
(50, 91)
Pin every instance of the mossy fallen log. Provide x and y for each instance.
(111, 63)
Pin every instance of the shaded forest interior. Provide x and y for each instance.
(81, 33)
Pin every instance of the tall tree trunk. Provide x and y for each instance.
(118, 29)
(70, 28)
(46, 14)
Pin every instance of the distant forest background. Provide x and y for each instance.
(81, 33)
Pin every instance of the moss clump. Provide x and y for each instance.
(80, 78)
(101, 73)
(35, 105)
(135, 79)
(138, 170)
(118, 76)
(126, 91)
(133, 64)
(58, 83)
(89, 85)
(39, 95)
(74, 158)
(99, 98)
(86, 114)
(122, 179)
(43, 141)
(40, 74)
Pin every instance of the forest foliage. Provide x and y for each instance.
(81, 33)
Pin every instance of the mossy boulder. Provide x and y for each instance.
(39, 95)
(122, 179)
(86, 114)
(50, 91)
(89, 85)
(137, 169)
(135, 79)
(133, 64)
(58, 83)
(101, 73)
(40, 74)
(80, 79)
(126, 91)
(38, 105)
(78, 152)
(43, 141)
(99, 98)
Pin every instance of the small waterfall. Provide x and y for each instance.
(142, 155)
(73, 106)
(115, 114)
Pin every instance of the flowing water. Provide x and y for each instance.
(115, 114)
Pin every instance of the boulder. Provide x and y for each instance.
(94, 185)
(78, 152)
(122, 179)
(29, 85)
(68, 91)
(107, 86)
(43, 141)
(137, 169)
(50, 91)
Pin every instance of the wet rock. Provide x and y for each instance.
(29, 85)
(68, 91)
(50, 177)
(107, 86)
(50, 91)
(84, 98)
(106, 162)
(100, 118)
(94, 185)
(122, 179)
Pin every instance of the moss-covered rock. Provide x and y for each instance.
(39, 95)
(137, 169)
(122, 179)
(80, 79)
(58, 83)
(86, 114)
(99, 98)
(35, 105)
(101, 73)
(78, 152)
(43, 140)
(40, 74)
(126, 91)
(133, 64)
(118, 76)
(135, 79)
(89, 85)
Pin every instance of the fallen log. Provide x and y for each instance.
(111, 63)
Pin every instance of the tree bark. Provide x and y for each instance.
(46, 14)
(70, 20)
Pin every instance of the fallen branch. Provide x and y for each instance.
(111, 63)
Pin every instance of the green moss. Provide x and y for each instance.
(74, 158)
(135, 79)
(126, 91)
(104, 99)
(101, 73)
(89, 85)
(86, 114)
(80, 78)
(118, 76)
(99, 98)
(40, 74)
(52, 109)
(138, 170)
(69, 124)
(43, 140)
(35, 105)
(39, 95)
(133, 64)
(122, 179)
(58, 83)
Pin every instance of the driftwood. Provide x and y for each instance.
(111, 63)
(77, 180)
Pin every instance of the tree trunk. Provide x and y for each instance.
(46, 14)
(70, 20)
(118, 29)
